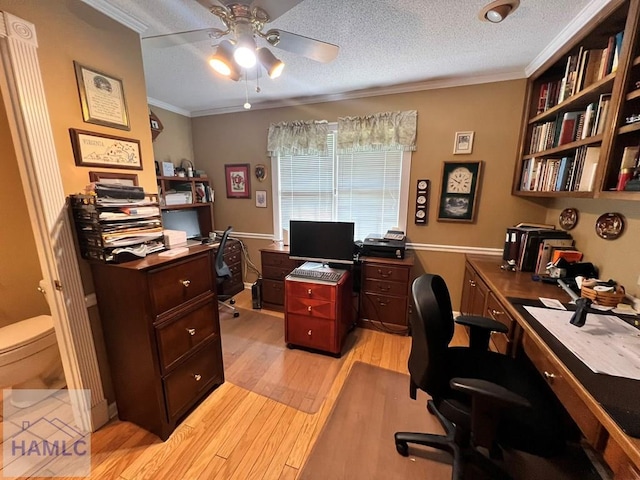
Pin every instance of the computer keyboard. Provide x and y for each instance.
(327, 276)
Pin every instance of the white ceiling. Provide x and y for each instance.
(389, 46)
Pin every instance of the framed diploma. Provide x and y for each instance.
(102, 98)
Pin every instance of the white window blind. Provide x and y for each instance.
(361, 187)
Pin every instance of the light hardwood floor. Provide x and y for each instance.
(235, 433)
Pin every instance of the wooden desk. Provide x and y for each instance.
(619, 450)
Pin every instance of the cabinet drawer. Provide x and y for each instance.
(495, 310)
(310, 307)
(384, 287)
(386, 272)
(384, 308)
(276, 273)
(179, 282)
(316, 291)
(575, 406)
(231, 258)
(281, 260)
(273, 291)
(178, 337)
(232, 247)
(186, 384)
(310, 332)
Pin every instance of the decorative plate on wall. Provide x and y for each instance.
(568, 218)
(610, 226)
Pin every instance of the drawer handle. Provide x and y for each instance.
(186, 283)
(192, 331)
(472, 283)
(495, 313)
(549, 376)
(309, 333)
(309, 310)
(382, 303)
(198, 377)
(385, 275)
(309, 292)
(383, 288)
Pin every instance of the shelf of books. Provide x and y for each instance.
(574, 104)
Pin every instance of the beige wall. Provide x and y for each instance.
(19, 266)
(492, 111)
(175, 143)
(69, 30)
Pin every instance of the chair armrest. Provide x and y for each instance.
(491, 391)
(482, 322)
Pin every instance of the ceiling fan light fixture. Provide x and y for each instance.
(222, 61)
(497, 11)
(245, 52)
(268, 60)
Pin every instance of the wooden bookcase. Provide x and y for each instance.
(540, 160)
(202, 205)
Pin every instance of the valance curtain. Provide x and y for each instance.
(298, 138)
(381, 131)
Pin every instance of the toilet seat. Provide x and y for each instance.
(26, 337)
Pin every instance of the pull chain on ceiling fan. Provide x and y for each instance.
(245, 22)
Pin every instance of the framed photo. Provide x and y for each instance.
(99, 150)
(463, 143)
(129, 179)
(261, 198)
(102, 98)
(238, 181)
(459, 191)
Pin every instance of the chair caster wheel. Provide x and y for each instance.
(232, 301)
(236, 314)
(402, 448)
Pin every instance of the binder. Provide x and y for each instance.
(545, 250)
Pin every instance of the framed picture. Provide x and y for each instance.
(238, 181)
(102, 98)
(99, 150)
(459, 191)
(129, 179)
(463, 143)
(261, 198)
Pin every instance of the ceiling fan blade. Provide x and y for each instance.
(308, 47)
(173, 39)
(275, 8)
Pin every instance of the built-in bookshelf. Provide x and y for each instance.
(583, 113)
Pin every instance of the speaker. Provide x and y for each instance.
(256, 294)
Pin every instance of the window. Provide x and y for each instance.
(367, 188)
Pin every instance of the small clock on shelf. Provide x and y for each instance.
(459, 191)
(422, 202)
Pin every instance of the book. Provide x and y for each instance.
(589, 118)
(629, 157)
(568, 127)
(592, 155)
(593, 64)
(546, 249)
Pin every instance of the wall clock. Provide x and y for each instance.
(459, 191)
(422, 202)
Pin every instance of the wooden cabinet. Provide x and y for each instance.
(318, 315)
(233, 258)
(198, 197)
(276, 265)
(384, 293)
(160, 322)
(474, 293)
(574, 130)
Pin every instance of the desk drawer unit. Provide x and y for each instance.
(276, 266)
(233, 259)
(578, 410)
(502, 342)
(384, 296)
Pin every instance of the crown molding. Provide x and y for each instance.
(371, 92)
(166, 106)
(118, 15)
(565, 36)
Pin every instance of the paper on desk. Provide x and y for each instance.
(605, 344)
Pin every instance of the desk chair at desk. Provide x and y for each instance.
(481, 398)
(223, 272)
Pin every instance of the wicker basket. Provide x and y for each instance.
(606, 299)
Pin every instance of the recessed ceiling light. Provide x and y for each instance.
(497, 11)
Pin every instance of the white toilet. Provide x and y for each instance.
(30, 359)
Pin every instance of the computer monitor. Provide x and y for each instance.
(185, 220)
(326, 242)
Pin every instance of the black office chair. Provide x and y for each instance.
(481, 398)
(223, 272)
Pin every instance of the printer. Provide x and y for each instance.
(376, 245)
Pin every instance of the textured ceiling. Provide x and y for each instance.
(382, 44)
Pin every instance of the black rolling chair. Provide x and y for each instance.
(223, 273)
(481, 398)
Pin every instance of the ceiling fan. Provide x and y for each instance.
(245, 22)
